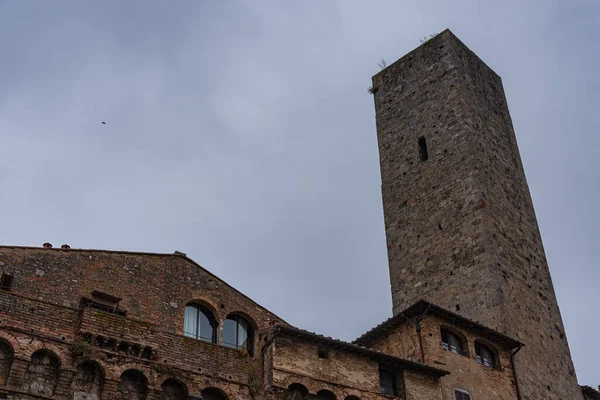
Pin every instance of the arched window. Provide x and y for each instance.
(238, 333)
(199, 323)
(212, 393)
(172, 389)
(296, 391)
(460, 394)
(133, 385)
(325, 395)
(352, 398)
(451, 341)
(6, 358)
(88, 381)
(42, 373)
(485, 355)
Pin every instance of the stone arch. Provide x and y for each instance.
(88, 381)
(481, 343)
(41, 376)
(213, 393)
(296, 391)
(174, 389)
(7, 354)
(461, 336)
(133, 385)
(325, 395)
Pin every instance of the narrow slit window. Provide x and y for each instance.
(423, 155)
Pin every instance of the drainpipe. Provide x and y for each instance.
(418, 325)
(514, 368)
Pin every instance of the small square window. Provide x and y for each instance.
(323, 353)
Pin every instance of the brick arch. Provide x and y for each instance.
(325, 394)
(246, 316)
(196, 388)
(173, 388)
(460, 335)
(7, 355)
(491, 346)
(208, 303)
(296, 391)
(88, 380)
(14, 343)
(215, 393)
(114, 372)
(308, 384)
(37, 345)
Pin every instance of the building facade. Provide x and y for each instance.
(475, 315)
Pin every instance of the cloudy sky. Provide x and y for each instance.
(242, 133)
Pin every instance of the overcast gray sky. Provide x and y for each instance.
(242, 133)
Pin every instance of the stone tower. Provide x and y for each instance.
(460, 225)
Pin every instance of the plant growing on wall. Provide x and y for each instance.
(82, 348)
(256, 382)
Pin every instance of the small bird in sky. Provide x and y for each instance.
(103, 123)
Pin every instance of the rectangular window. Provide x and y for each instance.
(387, 382)
(323, 353)
(103, 302)
(6, 282)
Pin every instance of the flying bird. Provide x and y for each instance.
(103, 123)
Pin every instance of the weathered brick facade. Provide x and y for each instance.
(461, 231)
(460, 224)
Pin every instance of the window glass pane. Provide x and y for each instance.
(190, 321)
(454, 343)
(242, 338)
(206, 327)
(387, 380)
(230, 333)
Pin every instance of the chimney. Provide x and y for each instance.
(65, 247)
(47, 245)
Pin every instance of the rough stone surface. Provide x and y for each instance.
(461, 228)
(465, 372)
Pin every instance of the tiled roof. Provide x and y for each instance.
(423, 307)
(353, 348)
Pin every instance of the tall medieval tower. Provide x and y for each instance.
(460, 225)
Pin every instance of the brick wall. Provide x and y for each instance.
(42, 315)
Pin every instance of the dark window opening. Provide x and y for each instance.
(6, 282)
(238, 333)
(451, 341)
(199, 323)
(423, 155)
(323, 353)
(387, 382)
(485, 355)
(113, 309)
(461, 395)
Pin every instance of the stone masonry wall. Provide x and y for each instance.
(461, 229)
(344, 374)
(465, 373)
